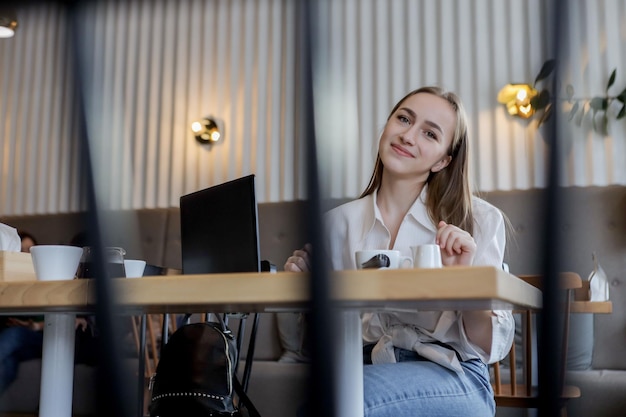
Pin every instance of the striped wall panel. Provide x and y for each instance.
(152, 67)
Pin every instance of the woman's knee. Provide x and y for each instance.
(423, 389)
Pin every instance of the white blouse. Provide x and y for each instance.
(358, 225)
(9, 239)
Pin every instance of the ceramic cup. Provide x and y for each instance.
(55, 262)
(134, 268)
(382, 259)
(427, 256)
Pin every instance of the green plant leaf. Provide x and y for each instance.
(599, 126)
(593, 121)
(599, 103)
(579, 118)
(541, 100)
(569, 92)
(546, 114)
(600, 123)
(573, 111)
(546, 70)
(622, 96)
(604, 125)
(622, 112)
(611, 79)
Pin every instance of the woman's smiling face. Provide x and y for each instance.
(417, 137)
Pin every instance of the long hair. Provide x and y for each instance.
(449, 196)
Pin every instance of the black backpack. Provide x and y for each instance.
(195, 375)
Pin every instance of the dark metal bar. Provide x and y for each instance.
(142, 366)
(250, 356)
(548, 341)
(322, 392)
(113, 395)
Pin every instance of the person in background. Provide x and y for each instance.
(423, 363)
(27, 241)
(86, 340)
(21, 338)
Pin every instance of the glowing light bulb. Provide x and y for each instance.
(525, 110)
(196, 127)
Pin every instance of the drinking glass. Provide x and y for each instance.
(113, 257)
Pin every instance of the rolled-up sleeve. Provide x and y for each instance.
(490, 237)
(503, 332)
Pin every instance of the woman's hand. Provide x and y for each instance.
(300, 261)
(457, 246)
(81, 324)
(33, 325)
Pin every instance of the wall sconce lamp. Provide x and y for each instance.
(206, 130)
(8, 22)
(517, 98)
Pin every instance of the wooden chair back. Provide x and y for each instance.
(524, 394)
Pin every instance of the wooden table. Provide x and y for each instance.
(460, 288)
(450, 288)
(592, 307)
(581, 302)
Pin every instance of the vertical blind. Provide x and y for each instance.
(150, 68)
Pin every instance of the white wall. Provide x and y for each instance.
(154, 66)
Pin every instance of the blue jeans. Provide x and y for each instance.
(415, 387)
(17, 344)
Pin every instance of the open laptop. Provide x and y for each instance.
(219, 229)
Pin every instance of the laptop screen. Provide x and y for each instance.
(219, 229)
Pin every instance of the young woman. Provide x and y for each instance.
(423, 363)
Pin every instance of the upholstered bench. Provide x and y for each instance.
(593, 220)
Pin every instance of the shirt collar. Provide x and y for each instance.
(418, 212)
(371, 214)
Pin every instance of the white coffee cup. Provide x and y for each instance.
(382, 259)
(55, 262)
(134, 268)
(427, 256)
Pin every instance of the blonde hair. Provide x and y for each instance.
(449, 196)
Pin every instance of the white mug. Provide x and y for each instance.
(382, 259)
(427, 256)
(55, 262)
(134, 268)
